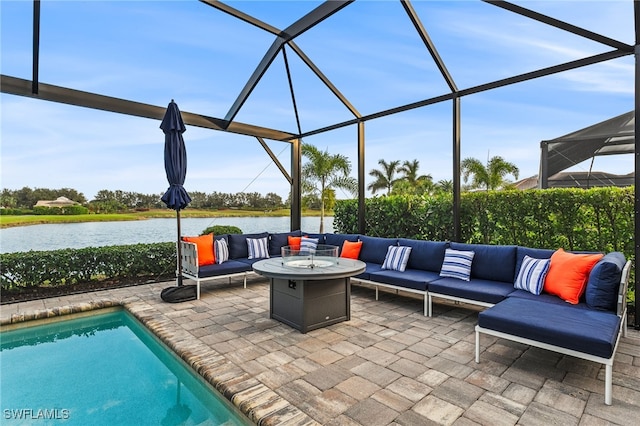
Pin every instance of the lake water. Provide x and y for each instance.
(96, 234)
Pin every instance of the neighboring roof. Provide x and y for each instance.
(613, 136)
(58, 202)
(579, 180)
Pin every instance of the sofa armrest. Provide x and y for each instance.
(189, 258)
(622, 290)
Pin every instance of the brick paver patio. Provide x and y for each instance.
(388, 365)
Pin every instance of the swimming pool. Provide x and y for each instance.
(102, 369)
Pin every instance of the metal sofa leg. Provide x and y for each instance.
(429, 305)
(608, 384)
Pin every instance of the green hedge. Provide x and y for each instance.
(73, 266)
(598, 219)
(60, 211)
(576, 219)
(15, 212)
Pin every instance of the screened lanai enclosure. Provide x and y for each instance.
(371, 70)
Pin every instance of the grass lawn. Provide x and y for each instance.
(8, 221)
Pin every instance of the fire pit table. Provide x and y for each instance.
(309, 290)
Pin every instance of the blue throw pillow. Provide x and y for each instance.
(602, 287)
(308, 245)
(397, 258)
(532, 274)
(257, 248)
(457, 264)
(237, 243)
(222, 250)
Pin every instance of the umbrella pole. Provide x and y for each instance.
(179, 271)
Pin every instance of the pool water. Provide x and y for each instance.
(103, 369)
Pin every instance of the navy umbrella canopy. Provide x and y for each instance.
(175, 164)
(175, 158)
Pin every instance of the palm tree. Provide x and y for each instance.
(444, 186)
(418, 184)
(491, 176)
(324, 172)
(385, 178)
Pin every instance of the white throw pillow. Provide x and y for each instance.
(258, 248)
(222, 250)
(457, 264)
(532, 274)
(397, 258)
(308, 244)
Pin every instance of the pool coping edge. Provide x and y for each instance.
(254, 399)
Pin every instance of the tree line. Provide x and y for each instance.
(107, 201)
(322, 174)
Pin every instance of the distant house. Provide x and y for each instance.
(58, 202)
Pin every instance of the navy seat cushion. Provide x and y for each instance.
(238, 244)
(250, 262)
(604, 280)
(426, 255)
(480, 290)
(583, 330)
(370, 268)
(339, 239)
(374, 249)
(279, 240)
(535, 253)
(416, 279)
(495, 263)
(545, 298)
(228, 267)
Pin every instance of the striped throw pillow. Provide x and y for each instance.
(396, 258)
(258, 248)
(532, 274)
(222, 250)
(308, 244)
(457, 264)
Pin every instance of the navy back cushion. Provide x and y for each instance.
(602, 287)
(495, 263)
(339, 239)
(374, 249)
(319, 237)
(238, 244)
(277, 241)
(425, 255)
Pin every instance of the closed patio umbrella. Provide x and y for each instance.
(175, 164)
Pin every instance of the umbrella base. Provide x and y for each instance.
(178, 294)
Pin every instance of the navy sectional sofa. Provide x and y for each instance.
(589, 330)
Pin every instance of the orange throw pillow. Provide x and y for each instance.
(568, 274)
(294, 242)
(351, 249)
(204, 243)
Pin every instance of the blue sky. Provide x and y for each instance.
(155, 51)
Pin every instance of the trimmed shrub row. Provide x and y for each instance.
(91, 264)
(60, 211)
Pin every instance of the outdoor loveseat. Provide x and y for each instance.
(583, 314)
